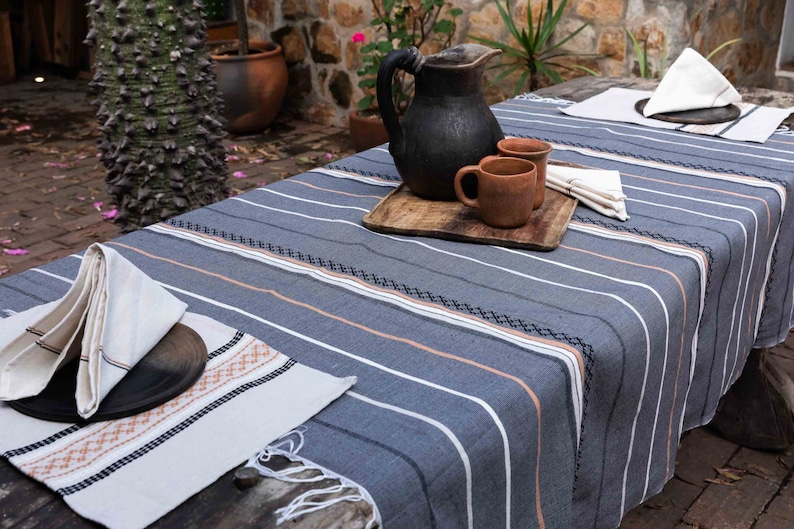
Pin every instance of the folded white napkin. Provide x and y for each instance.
(111, 317)
(691, 83)
(598, 189)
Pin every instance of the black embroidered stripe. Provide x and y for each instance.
(656, 236)
(486, 314)
(225, 347)
(361, 172)
(44, 442)
(154, 443)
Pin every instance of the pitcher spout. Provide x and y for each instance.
(463, 56)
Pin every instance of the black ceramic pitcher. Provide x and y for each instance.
(448, 124)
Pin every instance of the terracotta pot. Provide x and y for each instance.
(252, 87)
(367, 132)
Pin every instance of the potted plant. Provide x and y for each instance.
(429, 25)
(252, 78)
(538, 51)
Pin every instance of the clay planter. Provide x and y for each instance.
(367, 132)
(252, 87)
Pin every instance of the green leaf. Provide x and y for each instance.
(365, 102)
(444, 26)
(385, 46)
(720, 47)
(521, 81)
(455, 12)
(368, 83)
(542, 68)
(588, 71)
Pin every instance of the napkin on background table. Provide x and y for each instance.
(691, 83)
(111, 316)
(598, 189)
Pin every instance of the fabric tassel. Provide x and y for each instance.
(288, 445)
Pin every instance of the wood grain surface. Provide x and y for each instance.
(404, 213)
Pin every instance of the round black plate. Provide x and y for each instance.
(174, 364)
(702, 116)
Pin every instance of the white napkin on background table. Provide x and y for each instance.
(691, 83)
(598, 189)
(755, 124)
(111, 316)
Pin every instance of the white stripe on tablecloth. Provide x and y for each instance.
(752, 260)
(647, 357)
(338, 206)
(487, 407)
(357, 177)
(452, 437)
(739, 282)
(673, 249)
(679, 139)
(571, 361)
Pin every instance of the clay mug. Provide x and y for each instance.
(505, 190)
(536, 151)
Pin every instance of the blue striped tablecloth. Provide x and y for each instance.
(499, 387)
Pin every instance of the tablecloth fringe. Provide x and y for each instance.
(288, 445)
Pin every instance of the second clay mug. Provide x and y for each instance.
(505, 190)
(536, 151)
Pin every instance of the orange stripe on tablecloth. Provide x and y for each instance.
(683, 328)
(780, 141)
(741, 195)
(380, 334)
(649, 240)
(293, 181)
(577, 354)
(81, 450)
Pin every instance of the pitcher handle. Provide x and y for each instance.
(411, 61)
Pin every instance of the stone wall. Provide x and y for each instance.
(322, 59)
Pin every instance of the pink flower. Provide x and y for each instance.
(59, 165)
(16, 251)
(358, 37)
(110, 214)
(98, 205)
(23, 128)
(258, 160)
(6, 241)
(239, 174)
(232, 158)
(329, 156)
(233, 147)
(80, 198)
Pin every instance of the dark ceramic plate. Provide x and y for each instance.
(703, 116)
(174, 364)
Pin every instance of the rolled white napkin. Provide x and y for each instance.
(691, 83)
(598, 189)
(111, 317)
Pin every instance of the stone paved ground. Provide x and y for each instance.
(51, 203)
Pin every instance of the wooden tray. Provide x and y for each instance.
(404, 213)
(175, 363)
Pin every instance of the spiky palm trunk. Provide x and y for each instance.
(157, 107)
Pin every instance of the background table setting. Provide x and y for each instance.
(494, 386)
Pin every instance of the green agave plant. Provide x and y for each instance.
(641, 52)
(537, 52)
